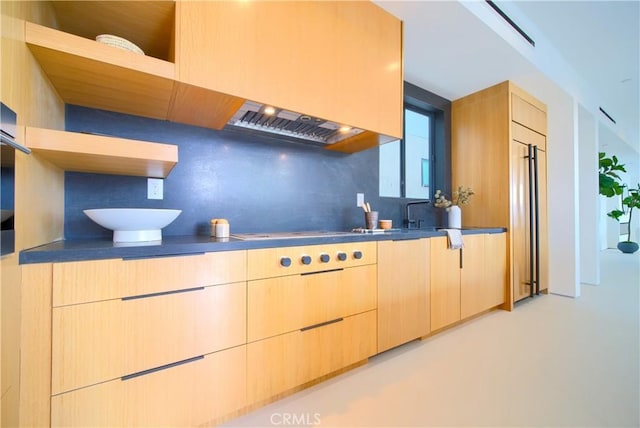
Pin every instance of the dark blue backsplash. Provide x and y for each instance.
(258, 183)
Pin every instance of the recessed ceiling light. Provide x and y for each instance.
(269, 110)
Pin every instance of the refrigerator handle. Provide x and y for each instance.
(537, 218)
(531, 219)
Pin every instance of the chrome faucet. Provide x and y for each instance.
(408, 221)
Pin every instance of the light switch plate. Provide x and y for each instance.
(155, 188)
(359, 199)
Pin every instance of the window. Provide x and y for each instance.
(405, 165)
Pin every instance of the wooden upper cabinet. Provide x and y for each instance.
(528, 112)
(339, 61)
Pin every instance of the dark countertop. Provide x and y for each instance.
(94, 249)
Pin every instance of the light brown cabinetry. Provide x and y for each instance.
(491, 131)
(483, 283)
(308, 319)
(74, 151)
(334, 60)
(403, 291)
(200, 68)
(146, 342)
(468, 281)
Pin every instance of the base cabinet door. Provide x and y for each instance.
(198, 391)
(483, 273)
(445, 284)
(403, 291)
(281, 363)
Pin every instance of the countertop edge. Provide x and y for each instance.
(84, 250)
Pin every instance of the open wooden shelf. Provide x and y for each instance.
(148, 24)
(73, 151)
(92, 74)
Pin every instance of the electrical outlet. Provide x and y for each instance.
(155, 188)
(359, 199)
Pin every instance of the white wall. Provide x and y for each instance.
(589, 206)
(610, 143)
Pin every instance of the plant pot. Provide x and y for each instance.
(628, 247)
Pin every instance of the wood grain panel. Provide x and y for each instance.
(105, 340)
(496, 269)
(403, 291)
(148, 24)
(35, 345)
(484, 273)
(191, 394)
(280, 363)
(520, 276)
(480, 141)
(472, 276)
(74, 151)
(528, 114)
(283, 304)
(445, 284)
(88, 281)
(543, 220)
(202, 107)
(265, 263)
(525, 135)
(92, 74)
(363, 48)
(10, 311)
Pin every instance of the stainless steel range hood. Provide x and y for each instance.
(266, 119)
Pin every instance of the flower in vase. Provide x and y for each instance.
(460, 197)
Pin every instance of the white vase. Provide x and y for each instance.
(455, 217)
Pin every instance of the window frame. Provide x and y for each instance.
(408, 105)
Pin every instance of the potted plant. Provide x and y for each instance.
(610, 182)
(629, 202)
(460, 197)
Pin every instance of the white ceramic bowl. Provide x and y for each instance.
(133, 224)
(119, 42)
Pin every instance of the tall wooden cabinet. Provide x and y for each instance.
(491, 132)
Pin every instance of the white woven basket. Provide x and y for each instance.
(118, 42)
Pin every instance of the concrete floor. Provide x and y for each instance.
(554, 361)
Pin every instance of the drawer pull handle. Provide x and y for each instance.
(357, 254)
(162, 293)
(322, 324)
(325, 258)
(342, 256)
(157, 369)
(321, 271)
(306, 260)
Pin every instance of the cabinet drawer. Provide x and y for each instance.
(268, 262)
(190, 394)
(100, 341)
(287, 303)
(88, 281)
(280, 363)
(528, 115)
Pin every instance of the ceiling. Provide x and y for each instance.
(451, 52)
